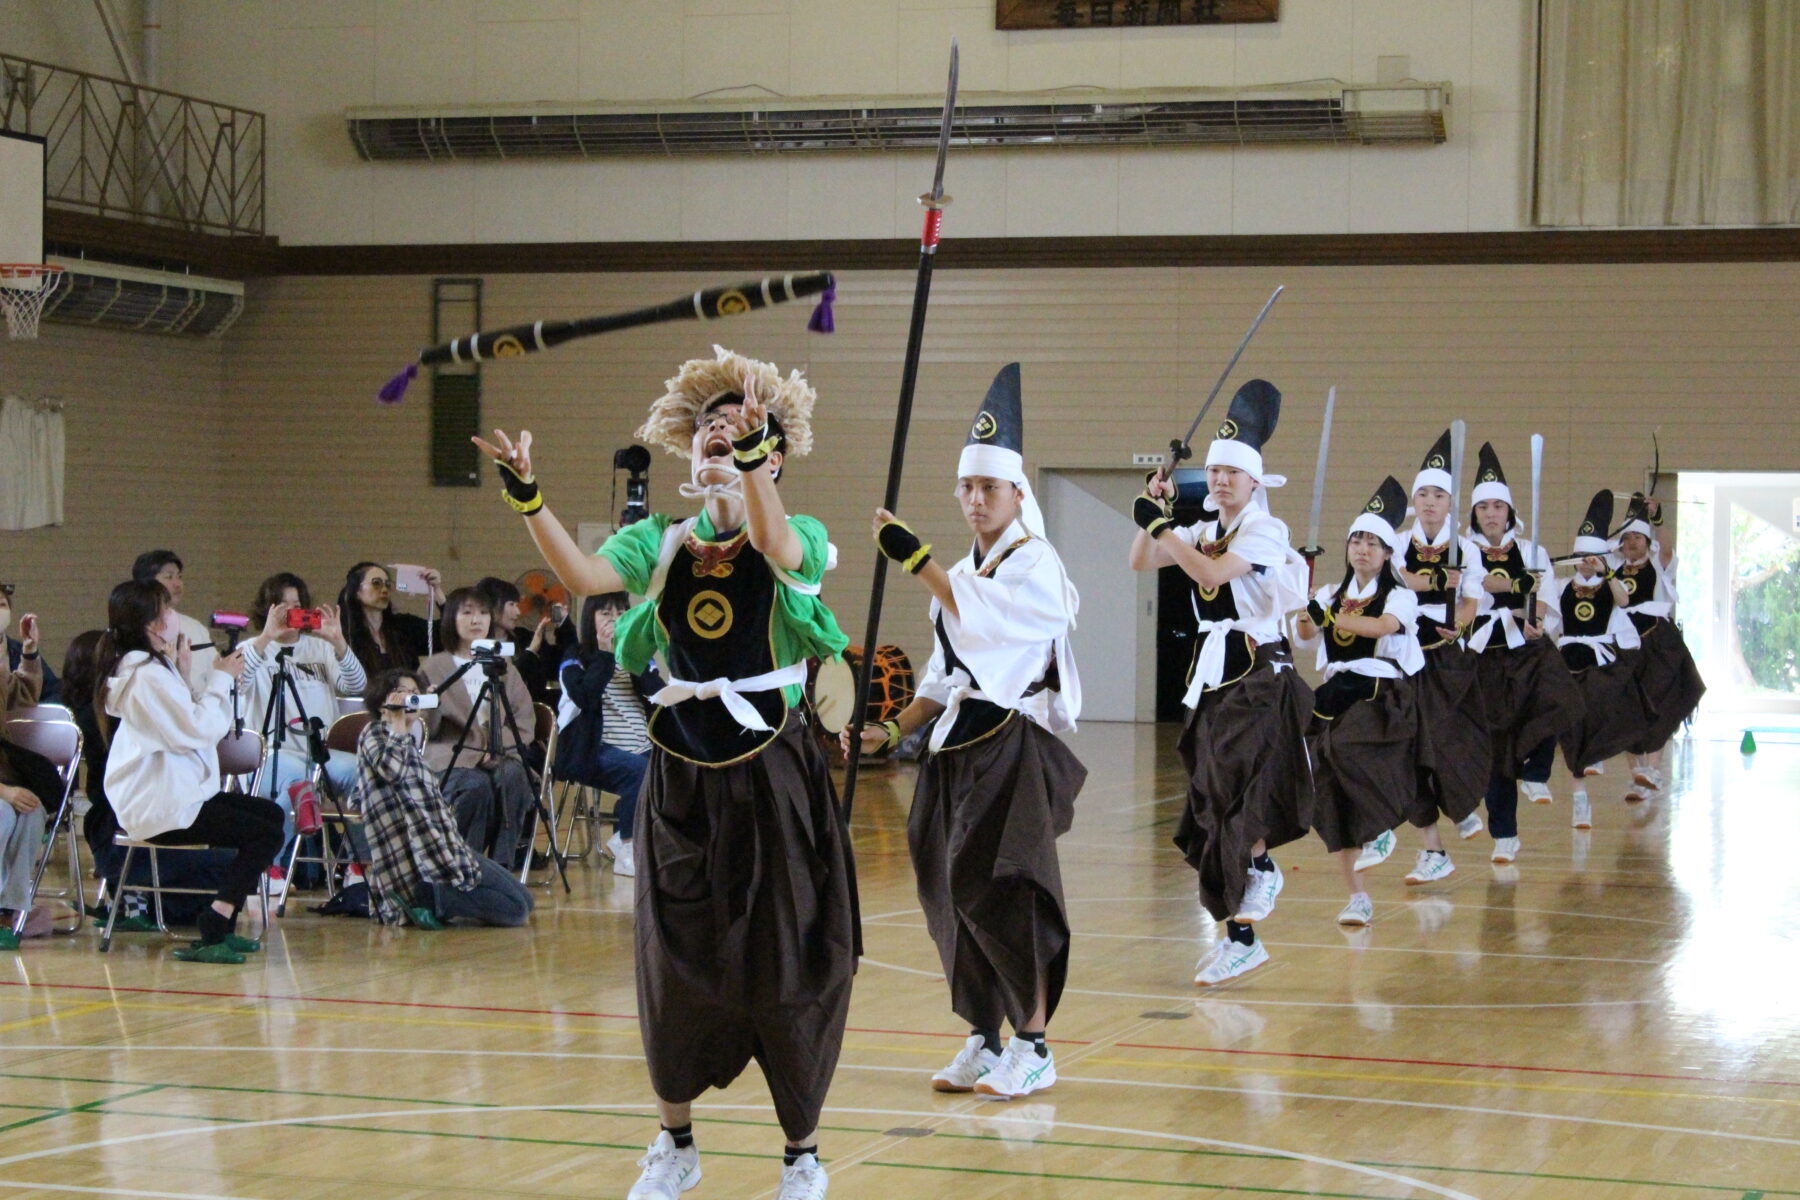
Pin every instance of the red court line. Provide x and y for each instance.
(533, 1012)
(1437, 1062)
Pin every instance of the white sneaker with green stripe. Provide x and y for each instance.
(1376, 852)
(1020, 1072)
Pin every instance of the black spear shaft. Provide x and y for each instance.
(934, 202)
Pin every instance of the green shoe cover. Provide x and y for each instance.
(8, 940)
(241, 945)
(214, 952)
(134, 925)
(424, 918)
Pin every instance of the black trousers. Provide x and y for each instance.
(251, 825)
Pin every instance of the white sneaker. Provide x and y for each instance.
(1429, 868)
(1360, 910)
(1259, 896)
(1469, 826)
(1598, 768)
(971, 1062)
(805, 1180)
(1020, 1071)
(1583, 816)
(1228, 960)
(668, 1172)
(1537, 793)
(1376, 852)
(1506, 849)
(624, 856)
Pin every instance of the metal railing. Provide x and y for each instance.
(118, 149)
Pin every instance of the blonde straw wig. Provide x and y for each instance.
(700, 381)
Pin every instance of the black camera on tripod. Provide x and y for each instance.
(635, 462)
(492, 653)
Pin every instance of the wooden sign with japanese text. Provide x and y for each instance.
(1121, 14)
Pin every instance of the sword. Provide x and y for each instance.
(1183, 447)
(1311, 549)
(1537, 480)
(934, 202)
(1459, 434)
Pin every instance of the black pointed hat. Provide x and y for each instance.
(1248, 424)
(1637, 519)
(1000, 421)
(1383, 514)
(1591, 537)
(1434, 471)
(1490, 480)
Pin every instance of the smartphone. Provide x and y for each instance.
(310, 619)
(410, 579)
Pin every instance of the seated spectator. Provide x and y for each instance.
(491, 793)
(163, 567)
(322, 668)
(181, 868)
(603, 718)
(381, 638)
(421, 870)
(162, 771)
(51, 690)
(539, 649)
(21, 809)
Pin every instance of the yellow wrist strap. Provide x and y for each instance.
(917, 559)
(523, 507)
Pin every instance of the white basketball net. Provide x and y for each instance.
(24, 291)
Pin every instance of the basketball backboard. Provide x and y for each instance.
(21, 198)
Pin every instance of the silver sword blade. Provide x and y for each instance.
(943, 149)
(1170, 461)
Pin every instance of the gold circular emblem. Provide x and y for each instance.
(733, 303)
(1499, 575)
(1587, 529)
(1207, 594)
(709, 615)
(1435, 462)
(1376, 505)
(1630, 582)
(508, 347)
(1584, 610)
(1229, 429)
(1340, 637)
(985, 426)
(1490, 476)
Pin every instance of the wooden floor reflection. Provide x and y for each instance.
(1613, 1018)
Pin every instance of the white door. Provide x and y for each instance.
(1085, 514)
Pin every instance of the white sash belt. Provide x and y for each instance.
(732, 692)
(962, 688)
(1505, 617)
(1602, 645)
(1652, 608)
(1209, 668)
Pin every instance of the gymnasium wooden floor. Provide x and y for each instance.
(1618, 1019)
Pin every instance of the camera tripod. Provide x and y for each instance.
(491, 698)
(277, 728)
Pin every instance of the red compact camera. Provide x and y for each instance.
(309, 619)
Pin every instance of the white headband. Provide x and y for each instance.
(1435, 477)
(997, 462)
(1368, 522)
(1492, 490)
(1588, 544)
(1637, 525)
(1227, 453)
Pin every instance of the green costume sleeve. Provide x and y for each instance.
(633, 551)
(804, 626)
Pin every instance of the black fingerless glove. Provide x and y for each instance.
(902, 545)
(753, 449)
(1317, 614)
(521, 494)
(1151, 514)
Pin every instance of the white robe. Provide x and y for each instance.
(1396, 654)
(1009, 627)
(1262, 596)
(1507, 620)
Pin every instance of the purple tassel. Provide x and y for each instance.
(821, 320)
(395, 389)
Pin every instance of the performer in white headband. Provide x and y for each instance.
(1453, 732)
(1530, 697)
(747, 934)
(1598, 642)
(997, 786)
(1365, 719)
(1244, 750)
(1644, 565)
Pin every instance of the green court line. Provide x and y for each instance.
(1754, 1194)
(90, 1106)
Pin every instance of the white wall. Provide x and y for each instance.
(303, 63)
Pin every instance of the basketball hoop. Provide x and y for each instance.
(24, 290)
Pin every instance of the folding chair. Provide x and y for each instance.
(240, 756)
(48, 730)
(545, 731)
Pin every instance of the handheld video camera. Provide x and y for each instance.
(635, 462)
(310, 619)
(421, 701)
(491, 650)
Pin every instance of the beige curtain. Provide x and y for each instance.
(1669, 112)
(31, 463)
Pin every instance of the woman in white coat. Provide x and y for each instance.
(162, 772)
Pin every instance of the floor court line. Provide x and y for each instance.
(1548, 912)
(494, 1110)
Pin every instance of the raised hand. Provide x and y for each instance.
(514, 462)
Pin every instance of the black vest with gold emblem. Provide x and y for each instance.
(1344, 647)
(1508, 562)
(1430, 560)
(1639, 582)
(1586, 609)
(717, 608)
(1220, 604)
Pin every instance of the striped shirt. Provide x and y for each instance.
(623, 717)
